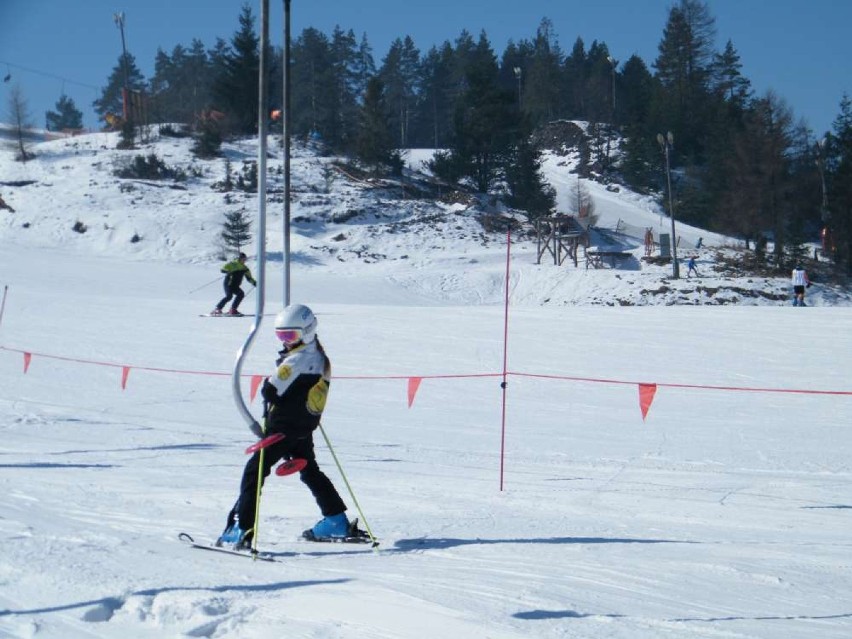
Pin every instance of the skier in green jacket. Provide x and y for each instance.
(234, 272)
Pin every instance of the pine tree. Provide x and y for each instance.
(312, 81)
(235, 87)
(758, 199)
(638, 86)
(542, 97)
(683, 69)
(727, 79)
(399, 73)
(345, 94)
(236, 231)
(486, 122)
(110, 101)
(374, 144)
(181, 84)
(364, 67)
(435, 102)
(208, 139)
(598, 86)
(528, 189)
(840, 184)
(66, 116)
(574, 73)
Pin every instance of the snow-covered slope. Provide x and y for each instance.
(549, 508)
(437, 253)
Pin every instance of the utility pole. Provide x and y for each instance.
(286, 134)
(119, 22)
(666, 143)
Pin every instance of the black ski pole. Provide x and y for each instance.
(204, 285)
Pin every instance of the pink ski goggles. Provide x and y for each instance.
(288, 335)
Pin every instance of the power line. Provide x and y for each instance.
(49, 75)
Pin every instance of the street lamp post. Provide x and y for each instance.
(820, 162)
(614, 63)
(518, 73)
(825, 215)
(666, 143)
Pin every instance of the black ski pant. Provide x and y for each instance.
(320, 485)
(231, 291)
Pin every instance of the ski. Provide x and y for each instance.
(187, 539)
(226, 315)
(338, 540)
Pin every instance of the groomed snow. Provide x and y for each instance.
(724, 513)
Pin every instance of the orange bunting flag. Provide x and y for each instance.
(125, 371)
(646, 397)
(255, 384)
(27, 359)
(413, 385)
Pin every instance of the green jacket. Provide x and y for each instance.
(234, 272)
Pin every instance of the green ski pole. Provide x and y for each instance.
(349, 488)
(260, 460)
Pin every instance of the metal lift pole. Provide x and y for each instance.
(263, 105)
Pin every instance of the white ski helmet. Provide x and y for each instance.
(296, 317)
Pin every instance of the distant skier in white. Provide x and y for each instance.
(800, 282)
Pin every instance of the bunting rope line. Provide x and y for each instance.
(570, 378)
(744, 389)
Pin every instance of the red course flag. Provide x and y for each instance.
(646, 397)
(255, 383)
(27, 359)
(413, 385)
(125, 371)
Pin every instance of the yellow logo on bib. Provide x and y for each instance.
(284, 372)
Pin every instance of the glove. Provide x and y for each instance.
(257, 430)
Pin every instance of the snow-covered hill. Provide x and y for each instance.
(645, 473)
(439, 253)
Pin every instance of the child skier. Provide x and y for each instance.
(295, 396)
(691, 267)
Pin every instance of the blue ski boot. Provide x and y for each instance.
(333, 527)
(235, 537)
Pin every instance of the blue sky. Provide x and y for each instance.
(800, 49)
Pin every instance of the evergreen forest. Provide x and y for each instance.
(740, 163)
